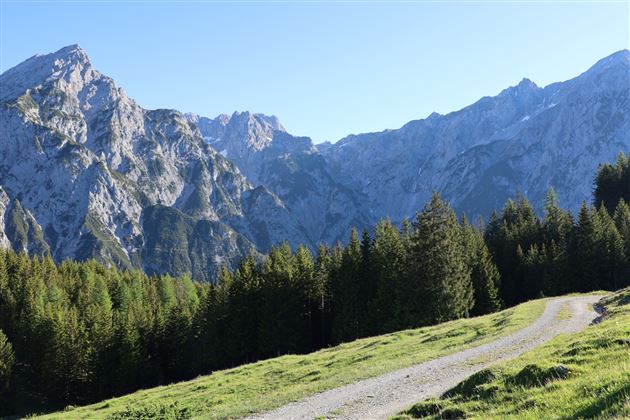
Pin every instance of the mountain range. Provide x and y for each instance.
(85, 172)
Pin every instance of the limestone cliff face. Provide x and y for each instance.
(85, 163)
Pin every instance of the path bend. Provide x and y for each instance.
(388, 394)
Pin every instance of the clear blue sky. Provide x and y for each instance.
(325, 69)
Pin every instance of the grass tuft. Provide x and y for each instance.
(425, 409)
(471, 385)
(534, 375)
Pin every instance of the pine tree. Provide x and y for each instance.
(483, 272)
(243, 315)
(388, 263)
(279, 324)
(584, 258)
(441, 287)
(610, 252)
(307, 291)
(622, 222)
(367, 280)
(7, 361)
(346, 292)
(517, 226)
(612, 183)
(322, 278)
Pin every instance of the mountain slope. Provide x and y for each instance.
(292, 168)
(84, 163)
(525, 139)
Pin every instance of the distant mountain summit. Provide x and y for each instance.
(526, 139)
(85, 172)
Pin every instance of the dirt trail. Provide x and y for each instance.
(386, 395)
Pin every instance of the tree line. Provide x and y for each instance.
(78, 332)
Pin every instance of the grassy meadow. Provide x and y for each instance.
(577, 376)
(272, 383)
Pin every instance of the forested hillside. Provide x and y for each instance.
(79, 332)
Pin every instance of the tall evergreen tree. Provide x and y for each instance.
(612, 183)
(322, 277)
(440, 281)
(367, 280)
(557, 228)
(388, 266)
(610, 252)
(346, 292)
(483, 272)
(517, 227)
(7, 360)
(305, 285)
(584, 258)
(622, 222)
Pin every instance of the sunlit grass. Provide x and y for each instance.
(583, 375)
(272, 383)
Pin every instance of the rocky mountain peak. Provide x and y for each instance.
(258, 126)
(71, 54)
(526, 84)
(614, 66)
(621, 57)
(524, 87)
(70, 64)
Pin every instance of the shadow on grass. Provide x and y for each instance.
(598, 408)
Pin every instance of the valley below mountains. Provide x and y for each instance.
(86, 172)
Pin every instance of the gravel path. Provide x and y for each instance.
(388, 394)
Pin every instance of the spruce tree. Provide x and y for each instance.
(346, 292)
(306, 289)
(483, 271)
(7, 361)
(622, 222)
(367, 280)
(557, 228)
(612, 183)
(388, 258)
(610, 252)
(243, 315)
(323, 292)
(441, 288)
(584, 258)
(517, 226)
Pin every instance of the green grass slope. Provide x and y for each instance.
(583, 375)
(272, 383)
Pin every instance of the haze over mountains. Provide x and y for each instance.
(85, 172)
